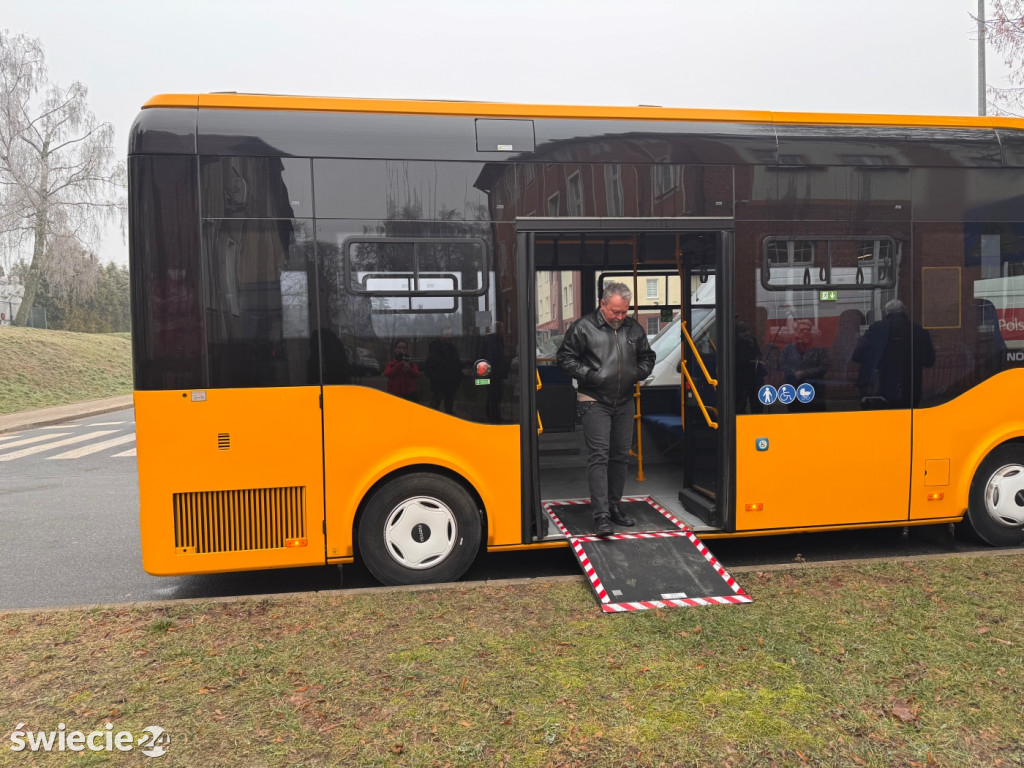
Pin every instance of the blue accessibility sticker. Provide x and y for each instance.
(761, 443)
(767, 394)
(787, 394)
(805, 393)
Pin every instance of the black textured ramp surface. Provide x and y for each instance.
(638, 568)
(576, 518)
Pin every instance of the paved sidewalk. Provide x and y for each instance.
(58, 414)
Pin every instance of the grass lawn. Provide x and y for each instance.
(39, 368)
(910, 664)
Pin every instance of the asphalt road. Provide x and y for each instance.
(69, 514)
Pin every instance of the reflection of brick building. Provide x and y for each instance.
(558, 302)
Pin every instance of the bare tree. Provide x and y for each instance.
(1004, 30)
(60, 181)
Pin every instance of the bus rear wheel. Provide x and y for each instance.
(995, 507)
(420, 528)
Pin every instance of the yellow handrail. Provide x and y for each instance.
(700, 360)
(689, 379)
(540, 425)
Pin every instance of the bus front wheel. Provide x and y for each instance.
(995, 508)
(418, 529)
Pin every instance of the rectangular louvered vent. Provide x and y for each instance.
(223, 441)
(236, 521)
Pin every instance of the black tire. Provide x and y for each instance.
(995, 506)
(421, 528)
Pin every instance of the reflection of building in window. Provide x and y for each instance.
(553, 205)
(613, 189)
(575, 195)
(653, 325)
(652, 288)
(790, 252)
(666, 179)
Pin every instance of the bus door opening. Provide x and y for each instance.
(571, 271)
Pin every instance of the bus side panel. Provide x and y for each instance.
(821, 469)
(950, 440)
(231, 482)
(370, 434)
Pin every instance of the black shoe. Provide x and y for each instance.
(619, 517)
(603, 524)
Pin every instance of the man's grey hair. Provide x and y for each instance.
(616, 289)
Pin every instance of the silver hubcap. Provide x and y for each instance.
(420, 532)
(1004, 496)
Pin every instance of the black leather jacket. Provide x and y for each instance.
(606, 362)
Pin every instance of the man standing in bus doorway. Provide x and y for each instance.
(606, 351)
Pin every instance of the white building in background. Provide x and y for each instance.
(11, 293)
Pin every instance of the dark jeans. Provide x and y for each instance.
(608, 431)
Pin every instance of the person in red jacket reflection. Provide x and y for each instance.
(401, 372)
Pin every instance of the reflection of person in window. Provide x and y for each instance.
(493, 351)
(898, 350)
(803, 363)
(335, 358)
(750, 371)
(444, 369)
(401, 372)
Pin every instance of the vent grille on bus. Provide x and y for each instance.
(236, 521)
(223, 441)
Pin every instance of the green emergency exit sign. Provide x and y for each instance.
(828, 295)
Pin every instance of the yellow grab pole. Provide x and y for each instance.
(540, 425)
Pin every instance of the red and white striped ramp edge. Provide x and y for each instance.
(738, 596)
(548, 507)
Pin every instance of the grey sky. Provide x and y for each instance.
(870, 56)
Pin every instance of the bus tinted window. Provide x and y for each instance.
(440, 294)
(972, 296)
(258, 310)
(167, 341)
(401, 189)
(256, 187)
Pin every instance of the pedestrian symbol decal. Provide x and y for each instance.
(787, 394)
(805, 393)
(767, 394)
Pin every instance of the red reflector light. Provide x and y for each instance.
(755, 507)
(296, 542)
(936, 496)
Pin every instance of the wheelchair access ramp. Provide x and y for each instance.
(657, 563)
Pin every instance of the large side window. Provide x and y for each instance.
(822, 304)
(411, 315)
(258, 307)
(972, 303)
(167, 339)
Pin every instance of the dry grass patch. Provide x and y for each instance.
(40, 368)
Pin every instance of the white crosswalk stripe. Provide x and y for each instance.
(85, 450)
(50, 446)
(9, 437)
(130, 452)
(36, 439)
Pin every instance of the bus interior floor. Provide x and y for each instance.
(661, 484)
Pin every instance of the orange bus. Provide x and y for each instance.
(342, 309)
